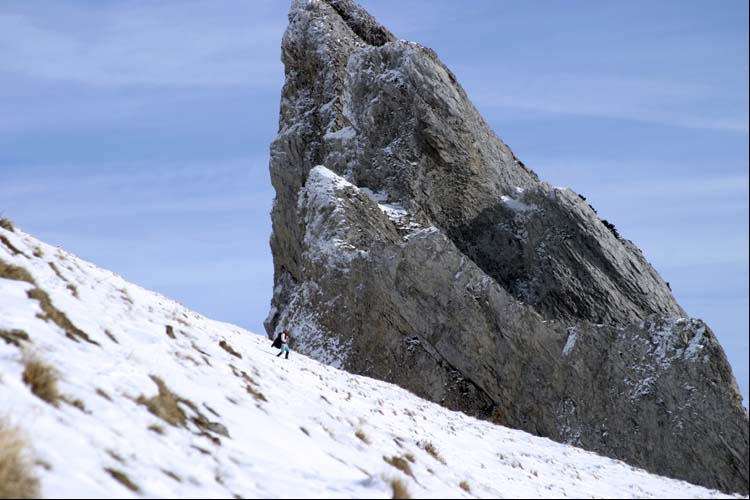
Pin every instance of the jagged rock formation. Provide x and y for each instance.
(411, 245)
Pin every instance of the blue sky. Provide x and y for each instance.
(136, 133)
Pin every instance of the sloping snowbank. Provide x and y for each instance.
(255, 425)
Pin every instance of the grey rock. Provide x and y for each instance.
(411, 245)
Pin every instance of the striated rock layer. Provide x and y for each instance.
(411, 245)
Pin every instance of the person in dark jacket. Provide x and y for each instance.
(282, 342)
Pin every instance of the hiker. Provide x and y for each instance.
(282, 342)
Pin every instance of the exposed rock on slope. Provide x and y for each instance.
(410, 244)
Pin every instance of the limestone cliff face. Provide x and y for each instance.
(410, 244)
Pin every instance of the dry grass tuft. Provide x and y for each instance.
(123, 479)
(111, 337)
(410, 457)
(124, 295)
(170, 332)
(14, 337)
(195, 346)
(171, 474)
(400, 463)
(56, 269)
(156, 428)
(431, 450)
(17, 479)
(251, 386)
(115, 455)
(11, 272)
(76, 403)
(5, 241)
(202, 422)
(41, 379)
(51, 313)
(225, 345)
(7, 224)
(465, 486)
(362, 436)
(399, 489)
(259, 396)
(73, 289)
(103, 394)
(164, 405)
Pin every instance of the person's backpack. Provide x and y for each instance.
(277, 342)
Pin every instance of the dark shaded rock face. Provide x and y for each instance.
(411, 245)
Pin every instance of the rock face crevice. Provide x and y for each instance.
(411, 245)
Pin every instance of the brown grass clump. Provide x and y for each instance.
(171, 474)
(11, 272)
(14, 337)
(51, 313)
(362, 436)
(465, 486)
(56, 270)
(431, 450)
(399, 489)
(7, 224)
(202, 422)
(164, 405)
(251, 386)
(156, 428)
(259, 396)
(76, 403)
(5, 241)
(224, 345)
(111, 337)
(124, 295)
(41, 379)
(103, 394)
(400, 463)
(123, 479)
(115, 455)
(17, 479)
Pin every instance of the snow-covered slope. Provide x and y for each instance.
(249, 424)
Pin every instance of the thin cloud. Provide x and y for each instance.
(664, 103)
(45, 179)
(146, 44)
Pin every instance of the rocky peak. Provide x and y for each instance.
(412, 245)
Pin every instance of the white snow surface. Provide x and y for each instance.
(516, 204)
(326, 227)
(571, 342)
(299, 442)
